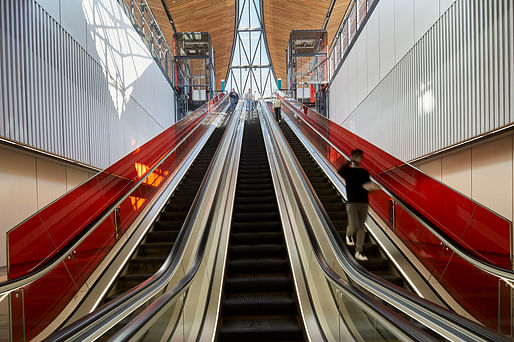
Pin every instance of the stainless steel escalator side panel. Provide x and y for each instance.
(442, 322)
(318, 278)
(11, 285)
(208, 199)
(139, 229)
(504, 274)
(94, 324)
(408, 266)
(221, 224)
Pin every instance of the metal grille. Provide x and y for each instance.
(57, 98)
(454, 84)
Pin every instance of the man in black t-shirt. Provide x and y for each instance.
(357, 205)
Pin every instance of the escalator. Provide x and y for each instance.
(377, 263)
(259, 301)
(158, 241)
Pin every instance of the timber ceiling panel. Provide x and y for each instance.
(283, 16)
(214, 16)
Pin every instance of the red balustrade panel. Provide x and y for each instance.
(476, 229)
(36, 240)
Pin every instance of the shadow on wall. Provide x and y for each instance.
(131, 76)
(107, 96)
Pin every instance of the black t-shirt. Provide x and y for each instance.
(355, 177)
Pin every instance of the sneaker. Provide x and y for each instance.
(361, 257)
(349, 241)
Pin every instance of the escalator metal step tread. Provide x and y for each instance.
(259, 302)
(261, 329)
(335, 208)
(256, 264)
(159, 240)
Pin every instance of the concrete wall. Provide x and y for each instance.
(28, 182)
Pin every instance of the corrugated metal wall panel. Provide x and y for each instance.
(54, 96)
(454, 84)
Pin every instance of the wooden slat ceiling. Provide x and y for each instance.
(214, 16)
(218, 17)
(282, 16)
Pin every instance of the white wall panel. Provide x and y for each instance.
(51, 181)
(403, 27)
(455, 83)
(432, 168)
(18, 191)
(444, 5)
(426, 14)
(66, 78)
(372, 51)
(53, 8)
(456, 171)
(72, 20)
(361, 73)
(387, 36)
(492, 175)
(75, 176)
(28, 182)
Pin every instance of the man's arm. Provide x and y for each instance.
(343, 170)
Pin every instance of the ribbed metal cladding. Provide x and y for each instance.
(53, 95)
(456, 83)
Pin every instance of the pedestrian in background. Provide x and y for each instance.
(277, 104)
(234, 98)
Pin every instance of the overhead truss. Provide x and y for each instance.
(250, 66)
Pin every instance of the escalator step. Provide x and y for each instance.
(253, 264)
(242, 207)
(155, 249)
(168, 225)
(256, 216)
(256, 238)
(258, 282)
(261, 329)
(243, 227)
(259, 304)
(256, 250)
(156, 236)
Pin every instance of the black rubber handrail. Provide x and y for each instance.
(138, 323)
(11, 285)
(502, 273)
(343, 252)
(107, 311)
(392, 317)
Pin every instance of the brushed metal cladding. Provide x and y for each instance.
(56, 97)
(455, 83)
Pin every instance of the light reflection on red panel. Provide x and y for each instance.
(479, 231)
(34, 241)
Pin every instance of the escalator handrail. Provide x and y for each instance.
(140, 321)
(11, 285)
(117, 308)
(389, 292)
(388, 314)
(504, 274)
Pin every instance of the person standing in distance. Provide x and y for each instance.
(277, 104)
(358, 185)
(233, 99)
